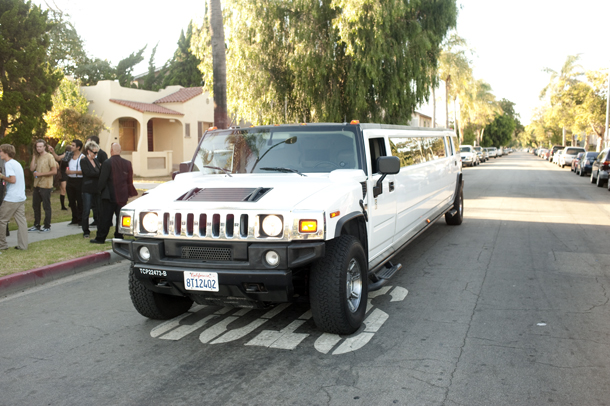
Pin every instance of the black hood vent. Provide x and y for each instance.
(224, 194)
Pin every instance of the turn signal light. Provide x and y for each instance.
(308, 226)
(355, 122)
(126, 221)
(334, 214)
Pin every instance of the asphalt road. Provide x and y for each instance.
(510, 308)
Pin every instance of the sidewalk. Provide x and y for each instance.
(34, 277)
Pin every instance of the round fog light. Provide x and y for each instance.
(144, 254)
(272, 258)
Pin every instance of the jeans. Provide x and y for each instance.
(89, 202)
(43, 196)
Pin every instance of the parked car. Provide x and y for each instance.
(575, 161)
(600, 168)
(500, 151)
(568, 154)
(543, 153)
(267, 215)
(585, 163)
(555, 157)
(483, 157)
(492, 152)
(469, 155)
(553, 151)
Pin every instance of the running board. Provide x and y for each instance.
(377, 280)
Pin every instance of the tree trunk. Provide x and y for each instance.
(219, 63)
(447, 102)
(433, 107)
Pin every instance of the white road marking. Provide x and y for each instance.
(398, 294)
(184, 330)
(326, 342)
(373, 323)
(238, 333)
(168, 325)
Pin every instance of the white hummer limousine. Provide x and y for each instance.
(289, 213)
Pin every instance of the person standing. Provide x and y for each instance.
(116, 187)
(91, 173)
(45, 168)
(63, 160)
(14, 201)
(101, 156)
(75, 182)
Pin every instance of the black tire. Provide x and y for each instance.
(600, 182)
(580, 172)
(155, 305)
(338, 306)
(592, 178)
(456, 219)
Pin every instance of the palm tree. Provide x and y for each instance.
(219, 61)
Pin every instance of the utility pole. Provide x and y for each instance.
(606, 138)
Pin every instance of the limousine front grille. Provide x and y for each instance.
(207, 225)
(206, 253)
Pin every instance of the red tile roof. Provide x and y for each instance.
(181, 95)
(146, 107)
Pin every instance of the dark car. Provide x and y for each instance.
(575, 161)
(554, 151)
(584, 165)
(600, 168)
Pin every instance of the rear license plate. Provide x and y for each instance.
(203, 281)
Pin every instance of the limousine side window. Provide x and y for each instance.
(377, 148)
(450, 146)
(435, 148)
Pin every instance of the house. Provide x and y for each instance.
(421, 120)
(156, 130)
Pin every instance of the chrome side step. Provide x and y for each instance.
(379, 279)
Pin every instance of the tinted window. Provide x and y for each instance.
(409, 150)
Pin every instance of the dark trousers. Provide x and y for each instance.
(109, 209)
(42, 195)
(89, 202)
(75, 197)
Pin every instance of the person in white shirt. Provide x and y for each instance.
(14, 201)
(75, 183)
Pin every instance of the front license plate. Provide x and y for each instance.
(205, 281)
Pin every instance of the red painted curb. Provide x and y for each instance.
(38, 276)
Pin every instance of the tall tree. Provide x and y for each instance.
(329, 60)
(183, 68)
(66, 49)
(124, 69)
(501, 130)
(478, 107)
(69, 118)
(454, 69)
(590, 114)
(27, 79)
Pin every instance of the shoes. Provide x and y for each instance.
(64, 208)
(94, 241)
(73, 223)
(45, 230)
(34, 228)
(21, 249)
(85, 235)
(94, 224)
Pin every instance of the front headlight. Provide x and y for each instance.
(150, 222)
(272, 225)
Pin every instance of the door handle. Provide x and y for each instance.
(391, 186)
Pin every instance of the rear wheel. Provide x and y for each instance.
(155, 305)
(338, 287)
(457, 218)
(592, 178)
(600, 181)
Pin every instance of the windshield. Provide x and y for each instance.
(465, 149)
(282, 150)
(591, 154)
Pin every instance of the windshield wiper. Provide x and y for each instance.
(228, 172)
(284, 170)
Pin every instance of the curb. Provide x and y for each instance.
(20, 281)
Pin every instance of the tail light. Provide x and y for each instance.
(605, 165)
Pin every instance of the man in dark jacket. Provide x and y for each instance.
(116, 186)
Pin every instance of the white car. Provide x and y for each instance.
(275, 214)
(568, 155)
(492, 152)
(469, 155)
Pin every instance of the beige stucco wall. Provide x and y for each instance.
(170, 141)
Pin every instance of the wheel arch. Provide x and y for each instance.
(353, 224)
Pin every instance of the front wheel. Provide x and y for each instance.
(600, 181)
(592, 178)
(338, 286)
(155, 305)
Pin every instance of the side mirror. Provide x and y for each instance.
(184, 167)
(386, 165)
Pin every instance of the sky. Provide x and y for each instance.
(513, 41)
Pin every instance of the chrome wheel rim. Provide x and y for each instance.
(354, 285)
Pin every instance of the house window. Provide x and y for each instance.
(151, 145)
(187, 130)
(127, 134)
